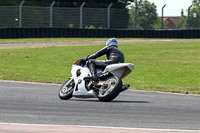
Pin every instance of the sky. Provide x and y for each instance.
(173, 7)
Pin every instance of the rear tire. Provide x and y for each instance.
(113, 91)
(66, 90)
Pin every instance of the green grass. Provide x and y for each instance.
(43, 40)
(168, 67)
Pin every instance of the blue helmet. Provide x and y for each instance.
(112, 42)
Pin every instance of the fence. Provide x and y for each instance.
(63, 17)
(25, 21)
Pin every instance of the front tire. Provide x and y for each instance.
(66, 90)
(112, 91)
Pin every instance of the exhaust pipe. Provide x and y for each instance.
(125, 87)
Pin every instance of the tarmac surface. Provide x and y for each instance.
(96, 42)
(36, 108)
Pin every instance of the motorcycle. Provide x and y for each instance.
(107, 88)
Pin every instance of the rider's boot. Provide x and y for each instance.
(93, 73)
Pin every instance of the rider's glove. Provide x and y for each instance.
(83, 60)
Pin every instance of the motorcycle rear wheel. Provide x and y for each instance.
(112, 90)
(66, 90)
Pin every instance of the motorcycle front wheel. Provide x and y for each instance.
(66, 90)
(110, 90)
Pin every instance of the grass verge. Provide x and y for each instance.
(52, 40)
(161, 66)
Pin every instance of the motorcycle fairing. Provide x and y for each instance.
(80, 90)
(120, 70)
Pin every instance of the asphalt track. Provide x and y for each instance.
(92, 42)
(38, 105)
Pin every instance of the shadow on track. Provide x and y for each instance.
(118, 101)
(114, 101)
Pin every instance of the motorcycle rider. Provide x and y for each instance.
(114, 55)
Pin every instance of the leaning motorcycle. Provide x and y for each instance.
(107, 88)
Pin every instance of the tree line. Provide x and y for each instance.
(147, 17)
(90, 3)
(193, 18)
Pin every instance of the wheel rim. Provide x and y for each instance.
(111, 85)
(67, 88)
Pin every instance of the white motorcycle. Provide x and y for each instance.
(107, 88)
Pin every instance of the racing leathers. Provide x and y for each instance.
(114, 55)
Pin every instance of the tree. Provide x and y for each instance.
(96, 17)
(182, 24)
(194, 17)
(9, 2)
(147, 15)
(72, 3)
(195, 20)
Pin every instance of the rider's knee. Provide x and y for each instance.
(90, 61)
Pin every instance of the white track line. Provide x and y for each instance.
(24, 82)
(125, 128)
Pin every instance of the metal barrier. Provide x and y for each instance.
(94, 33)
